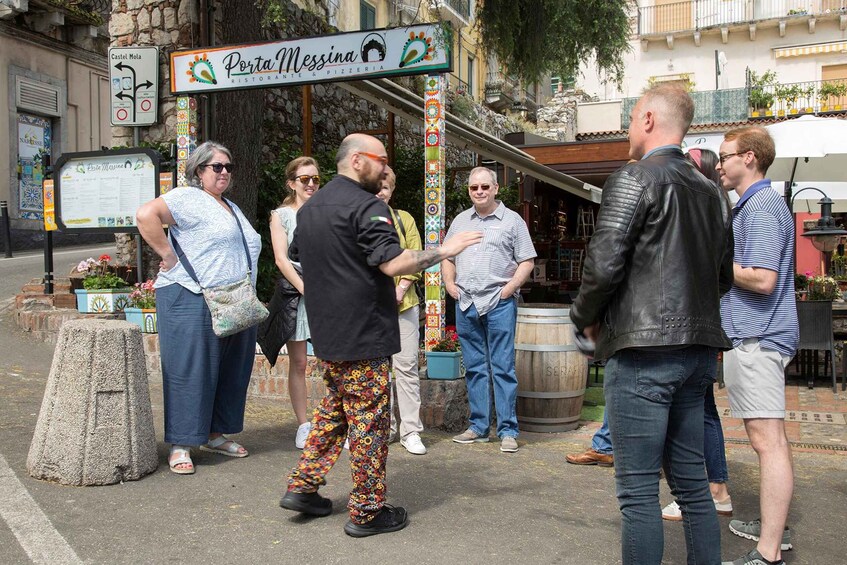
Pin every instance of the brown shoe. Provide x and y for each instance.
(591, 457)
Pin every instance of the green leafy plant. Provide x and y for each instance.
(761, 96)
(100, 274)
(831, 89)
(801, 281)
(788, 93)
(822, 287)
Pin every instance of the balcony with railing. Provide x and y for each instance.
(710, 107)
(693, 15)
(501, 91)
(810, 97)
(458, 12)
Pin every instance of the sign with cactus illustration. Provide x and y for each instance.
(418, 49)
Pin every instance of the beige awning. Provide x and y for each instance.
(813, 49)
(405, 103)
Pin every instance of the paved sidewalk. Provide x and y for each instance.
(468, 504)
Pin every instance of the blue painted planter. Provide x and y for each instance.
(102, 300)
(445, 365)
(143, 317)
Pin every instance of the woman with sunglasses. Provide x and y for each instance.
(302, 180)
(211, 243)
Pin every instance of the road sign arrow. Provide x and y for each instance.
(121, 95)
(147, 84)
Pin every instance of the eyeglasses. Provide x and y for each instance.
(484, 187)
(726, 156)
(316, 180)
(381, 158)
(218, 167)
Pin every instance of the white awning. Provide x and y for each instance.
(812, 49)
(405, 103)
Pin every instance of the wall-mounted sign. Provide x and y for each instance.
(49, 206)
(134, 85)
(100, 191)
(417, 49)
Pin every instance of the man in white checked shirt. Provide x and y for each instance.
(484, 280)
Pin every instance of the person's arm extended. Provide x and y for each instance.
(411, 261)
(755, 279)
(279, 241)
(150, 217)
(521, 274)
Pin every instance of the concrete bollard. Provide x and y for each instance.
(96, 423)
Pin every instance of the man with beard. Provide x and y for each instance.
(349, 249)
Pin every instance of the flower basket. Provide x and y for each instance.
(145, 318)
(102, 300)
(444, 365)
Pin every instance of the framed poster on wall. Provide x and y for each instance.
(100, 191)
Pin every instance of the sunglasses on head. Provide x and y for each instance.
(316, 180)
(218, 167)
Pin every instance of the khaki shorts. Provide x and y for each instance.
(755, 380)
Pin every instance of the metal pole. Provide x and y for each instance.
(139, 259)
(48, 235)
(7, 230)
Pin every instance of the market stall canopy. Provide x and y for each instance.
(405, 103)
(809, 149)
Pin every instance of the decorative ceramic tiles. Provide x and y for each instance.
(434, 154)
(186, 129)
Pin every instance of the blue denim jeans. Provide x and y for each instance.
(654, 400)
(602, 440)
(713, 443)
(488, 350)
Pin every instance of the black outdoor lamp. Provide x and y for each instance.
(826, 234)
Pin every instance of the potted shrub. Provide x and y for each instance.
(102, 290)
(142, 307)
(761, 96)
(789, 95)
(444, 360)
(830, 90)
(822, 287)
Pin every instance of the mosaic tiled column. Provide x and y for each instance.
(186, 134)
(435, 88)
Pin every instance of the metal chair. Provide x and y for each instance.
(815, 320)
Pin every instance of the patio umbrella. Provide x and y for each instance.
(809, 149)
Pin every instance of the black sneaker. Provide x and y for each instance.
(389, 519)
(307, 503)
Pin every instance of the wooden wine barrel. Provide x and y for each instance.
(550, 369)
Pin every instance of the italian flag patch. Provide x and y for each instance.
(382, 219)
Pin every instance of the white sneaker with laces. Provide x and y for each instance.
(413, 444)
(302, 433)
(672, 512)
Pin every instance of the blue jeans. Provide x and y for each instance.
(654, 400)
(488, 350)
(602, 440)
(713, 443)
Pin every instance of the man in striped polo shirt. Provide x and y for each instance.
(759, 315)
(484, 280)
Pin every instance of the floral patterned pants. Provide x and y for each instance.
(357, 401)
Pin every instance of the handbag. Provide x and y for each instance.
(234, 307)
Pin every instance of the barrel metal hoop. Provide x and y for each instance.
(566, 394)
(563, 321)
(542, 347)
(548, 420)
(544, 311)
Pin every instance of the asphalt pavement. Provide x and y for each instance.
(467, 504)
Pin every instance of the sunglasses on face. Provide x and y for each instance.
(218, 167)
(484, 187)
(315, 179)
(381, 158)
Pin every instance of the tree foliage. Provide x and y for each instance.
(533, 38)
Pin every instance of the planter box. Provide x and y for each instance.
(144, 318)
(101, 301)
(445, 365)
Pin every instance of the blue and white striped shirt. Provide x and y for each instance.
(764, 238)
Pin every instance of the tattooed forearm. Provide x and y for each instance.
(427, 258)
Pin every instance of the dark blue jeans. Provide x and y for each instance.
(488, 350)
(713, 442)
(654, 400)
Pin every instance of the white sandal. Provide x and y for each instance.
(183, 454)
(232, 450)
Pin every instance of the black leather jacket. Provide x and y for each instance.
(659, 260)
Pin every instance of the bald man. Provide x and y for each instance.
(349, 250)
(658, 262)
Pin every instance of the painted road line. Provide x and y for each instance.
(37, 536)
(79, 250)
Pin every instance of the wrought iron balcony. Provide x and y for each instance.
(692, 15)
(810, 97)
(710, 107)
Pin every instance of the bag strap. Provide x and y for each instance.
(186, 264)
(399, 223)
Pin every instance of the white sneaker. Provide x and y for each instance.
(347, 444)
(672, 512)
(302, 433)
(413, 444)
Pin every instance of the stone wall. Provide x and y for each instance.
(557, 118)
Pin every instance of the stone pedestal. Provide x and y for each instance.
(96, 424)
